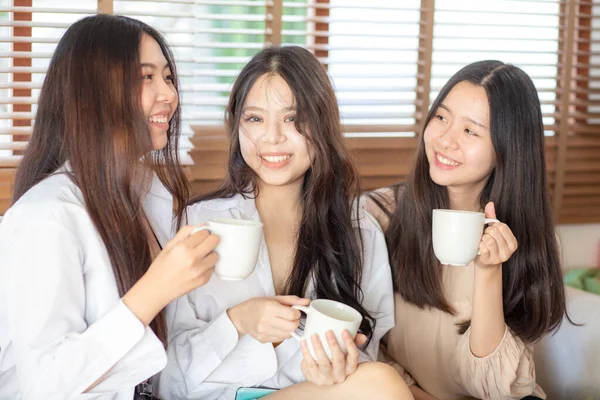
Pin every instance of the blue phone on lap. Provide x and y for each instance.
(252, 393)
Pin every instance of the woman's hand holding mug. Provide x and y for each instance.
(498, 242)
(324, 371)
(185, 263)
(267, 319)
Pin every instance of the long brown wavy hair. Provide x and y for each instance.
(533, 291)
(328, 248)
(90, 115)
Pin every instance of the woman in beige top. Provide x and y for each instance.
(468, 331)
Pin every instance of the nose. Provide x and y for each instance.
(448, 137)
(274, 134)
(165, 93)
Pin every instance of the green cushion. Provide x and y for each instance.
(587, 279)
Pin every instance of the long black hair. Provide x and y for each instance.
(90, 114)
(533, 292)
(328, 248)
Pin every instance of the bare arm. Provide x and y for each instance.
(487, 323)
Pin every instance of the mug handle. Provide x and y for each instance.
(305, 310)
(485, 222)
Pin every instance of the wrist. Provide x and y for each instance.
(233, 314)
(144, 300)
(490, 271)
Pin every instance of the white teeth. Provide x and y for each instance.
(445, 161)
(275, 159)
(162, 119)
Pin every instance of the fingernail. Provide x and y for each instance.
(330, 335)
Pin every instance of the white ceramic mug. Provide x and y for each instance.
(456, 235)
(328, 315)
(238, 247)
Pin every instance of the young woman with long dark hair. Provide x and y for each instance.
(288, 168)
(83, 279)
(469, 331)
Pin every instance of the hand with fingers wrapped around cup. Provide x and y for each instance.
(498, 242)
(267, 319)
(324, 371)
(330, 341)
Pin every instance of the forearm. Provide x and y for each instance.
(144, 300)
(487, 321)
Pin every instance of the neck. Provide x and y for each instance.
(464, 200)
(279, 201)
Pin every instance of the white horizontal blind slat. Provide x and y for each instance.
(526, 36)
(211, 41)
(371, 52)
(49, 20)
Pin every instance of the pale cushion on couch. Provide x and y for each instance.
(568, 362)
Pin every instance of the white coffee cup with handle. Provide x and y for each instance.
(456, 235)
(324, 315)
(238, 248)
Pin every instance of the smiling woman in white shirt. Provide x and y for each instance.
(83, 279)
(290, 170)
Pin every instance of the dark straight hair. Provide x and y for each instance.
(533, 292)
(328, 249)
(90, 115)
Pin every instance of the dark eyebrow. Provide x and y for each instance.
(153, 66)
(479, 124)
(250, 108)
(445, 107)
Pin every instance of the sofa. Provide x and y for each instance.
(568, 362)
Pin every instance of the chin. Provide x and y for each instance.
(440, 181)
(159, 143)
(276, 181)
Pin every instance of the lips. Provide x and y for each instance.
(445, 161)
(159, 119)
(275, 160)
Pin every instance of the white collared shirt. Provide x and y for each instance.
(62, 323)
(205, 358)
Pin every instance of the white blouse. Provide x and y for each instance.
(62, 323)
(205, 358)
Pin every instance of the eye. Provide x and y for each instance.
(169, 78)
(253, 118)
(291, 118)
(440, 117)
(470, 132)
(147, 77)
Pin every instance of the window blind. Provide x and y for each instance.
(388, 60)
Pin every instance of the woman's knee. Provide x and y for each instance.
(382, 381)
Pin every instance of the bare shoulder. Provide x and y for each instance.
(380, 203)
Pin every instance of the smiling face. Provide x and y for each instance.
(457, 140)
(159, 97)
(270, 143)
